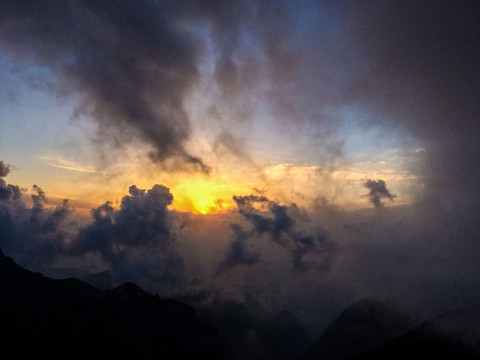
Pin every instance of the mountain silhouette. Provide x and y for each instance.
(452, 335)
(101, 280)
(284, 336)
(253, 332)
(362, 327)
(42, 318)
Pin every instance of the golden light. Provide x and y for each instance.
(204, 204)
(202, 196)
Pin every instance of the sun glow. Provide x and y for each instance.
(202, 196)
(204, 204)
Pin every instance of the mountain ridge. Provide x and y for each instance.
(361, 327)
(43, 318)
(58, 319)
(454, 335)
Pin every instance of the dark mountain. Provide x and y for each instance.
(284, 336)
(61, 272)
(101, 280)
(43, 318)
(256, 335)
(453, 335)
(362, 327)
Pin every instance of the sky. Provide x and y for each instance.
(307, 154)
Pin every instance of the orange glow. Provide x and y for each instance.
(201, 194)
(205, 196)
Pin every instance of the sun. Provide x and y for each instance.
(205, 203)
(201, 197)
(204, 206)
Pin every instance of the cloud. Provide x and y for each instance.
(418, 73)
(136, 240)
(226, 142)
(133, 67)
(60, 163)
(38, 196)
(131, 63)
(237, 253)
(285, 225)
(313, 263)
(34, 235)
(4, 169)
(7, 191)
(378, 192)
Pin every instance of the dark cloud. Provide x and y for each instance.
(245, 202)
(4, 169)
(237, 253)
(414, 66)
(133, 66)
(417, 72)
(280, 222)
(38, 196)
(35, 235)
(285, 226)
(8, 191)
(378, 192)
(416, 75)
(136, 240)
(132, 63)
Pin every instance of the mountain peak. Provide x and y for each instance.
(367, 310)
(361, 327)
(452, 335)
(130, 292)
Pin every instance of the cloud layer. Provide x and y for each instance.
(311, 262)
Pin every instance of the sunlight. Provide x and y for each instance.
(204, 204)
(203, 197)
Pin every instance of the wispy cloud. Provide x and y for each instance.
(60, 163)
